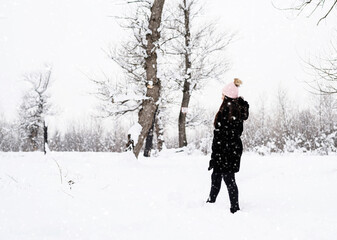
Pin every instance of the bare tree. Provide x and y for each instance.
(140, 91)
(33, 110)
(138, 58)
(325, 73)
(150, 105)
(123, 96)
(195, 48)
(312, 6)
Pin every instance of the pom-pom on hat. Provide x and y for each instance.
(232, 89)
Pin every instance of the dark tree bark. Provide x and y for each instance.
(148, 143)
(187, 81)
(45, 137)
(149, 140)
(149, 106)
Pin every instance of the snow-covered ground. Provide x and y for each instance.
(116, 197)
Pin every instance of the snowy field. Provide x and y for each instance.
(116, 197)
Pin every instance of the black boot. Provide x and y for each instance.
(233, 192)
(234, 209)
(215, 188)
(209, 200)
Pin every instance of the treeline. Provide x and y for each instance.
(77, 138)
(289, 129)
(298, 131)
(282, 128)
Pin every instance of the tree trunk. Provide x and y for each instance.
(45, 137)
(149, 106)
(159, 131)
(148, 143)
(187, 81)
(149, 140)
(182, 114)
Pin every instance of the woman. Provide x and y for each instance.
(227, 145)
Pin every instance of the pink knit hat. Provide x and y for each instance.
(232, 89)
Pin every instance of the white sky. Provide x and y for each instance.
(70, 35)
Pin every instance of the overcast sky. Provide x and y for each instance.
(70, 35)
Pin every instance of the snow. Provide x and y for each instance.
(114, 196)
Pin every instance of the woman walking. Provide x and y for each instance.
(227, 145)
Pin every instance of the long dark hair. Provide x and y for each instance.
(233, 111)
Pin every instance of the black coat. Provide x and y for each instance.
(227, 145)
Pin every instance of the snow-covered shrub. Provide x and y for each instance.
(9, 139)
(206, 144)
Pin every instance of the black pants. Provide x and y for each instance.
(233, 191)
